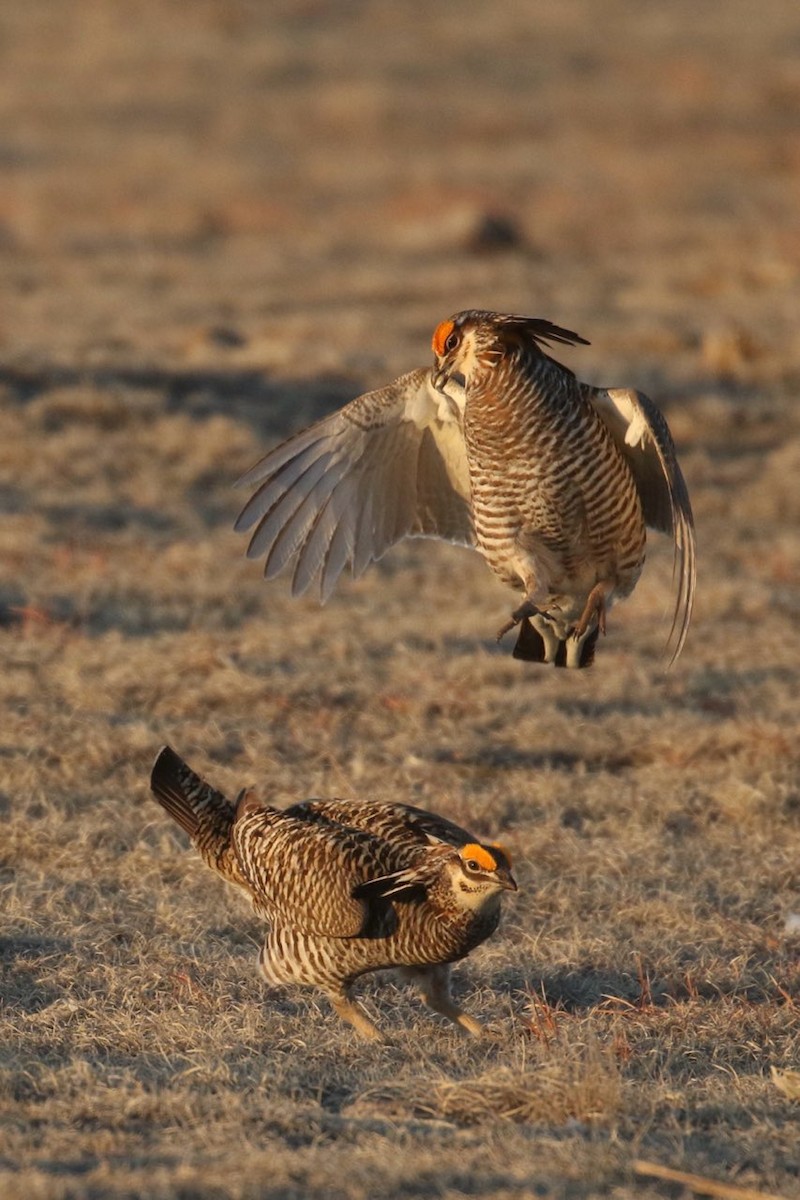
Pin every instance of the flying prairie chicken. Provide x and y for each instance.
(498, 447)
(347, 886)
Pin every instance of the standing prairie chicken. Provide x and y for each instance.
(498, 447)
(347, 886)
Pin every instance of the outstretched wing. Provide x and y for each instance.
(390, 464)
(642, 434)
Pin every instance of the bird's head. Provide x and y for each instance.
(475, 342)
(479, 873)
(463, 345)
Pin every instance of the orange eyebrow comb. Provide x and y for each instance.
(441, 334)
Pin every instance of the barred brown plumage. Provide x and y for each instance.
(498, 447)
(347, 886)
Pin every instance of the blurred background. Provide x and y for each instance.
(309, 186)
(218, 220)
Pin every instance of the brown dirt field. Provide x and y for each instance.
(217, 221)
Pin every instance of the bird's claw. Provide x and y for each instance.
(595, 606)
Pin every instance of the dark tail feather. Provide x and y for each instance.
(530, 644)
(178, 789)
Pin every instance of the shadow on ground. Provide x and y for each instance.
(271, 406)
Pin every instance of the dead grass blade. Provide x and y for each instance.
(583, 1085)
(700, 1183)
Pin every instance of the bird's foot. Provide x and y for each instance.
(467, 1024)
(595, 607)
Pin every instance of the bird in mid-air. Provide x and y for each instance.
(498, 447)
(347, 886)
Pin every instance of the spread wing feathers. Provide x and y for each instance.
(309, 875)
(642, 434)
(390, 464)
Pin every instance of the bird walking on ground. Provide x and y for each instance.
(498, 447)
(347, 886)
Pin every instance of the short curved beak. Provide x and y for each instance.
(439, 378)
(507, 880)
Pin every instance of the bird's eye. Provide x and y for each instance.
(471, 865)
(452, 342)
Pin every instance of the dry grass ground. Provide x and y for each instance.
(216, 221)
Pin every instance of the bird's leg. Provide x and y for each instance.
(526, 609)
(434, 989)
(595, 606)
(349, 1011)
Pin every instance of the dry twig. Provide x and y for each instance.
(700, 1184)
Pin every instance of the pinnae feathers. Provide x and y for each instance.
(247, 801)
(545, 331)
